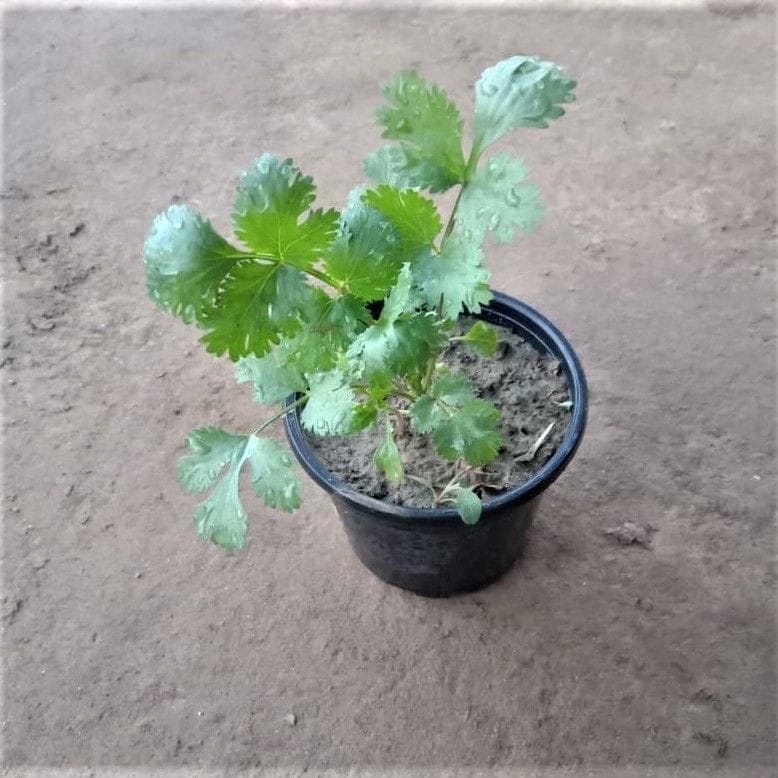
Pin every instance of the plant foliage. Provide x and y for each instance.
(349, 312)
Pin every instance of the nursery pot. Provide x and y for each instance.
(431, 551)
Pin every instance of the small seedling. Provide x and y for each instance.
(349, 312)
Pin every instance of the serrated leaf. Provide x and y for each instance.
(469, 505)
(452, 388)
(331, 325)
(400, 342)
(413, 216)
(392, 165)
(330, 406)
(496, 200)
(448, 392)
(367, 254)
(186, 262)
(365, 415)
(428, 126)
(483, 338)
(212, 449)
(272, 474)
(426, 414)
(221, 517)
(258, 305)
(518, 92)
(400, 299)
(420, 339)
(402, 347)
(309, 351)
(272, 377)
(271, 197)
(470, 433)
(457, 275)
(387, 458)
(342, 317)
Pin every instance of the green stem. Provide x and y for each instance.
(472, 162)
(365, 388)
(323, 277)
(428, 375)
(276, 416)
(452, 218)
(403, 393)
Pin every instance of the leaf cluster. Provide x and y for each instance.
(349, 311)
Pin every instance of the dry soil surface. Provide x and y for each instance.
(128, 642)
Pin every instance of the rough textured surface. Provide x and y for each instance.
(128, 642)
(524, 385)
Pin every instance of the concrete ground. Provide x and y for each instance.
(128, 642)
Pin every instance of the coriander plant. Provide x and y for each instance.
(348, 312)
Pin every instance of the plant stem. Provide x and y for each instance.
(451, 219)
(425, 484)
(324, 278)
(454, 481)
(471, 162)
(408, 395)
(276, 416)
(430, 372)
(469, 168)
(406, 392)
(403, 393)
(311, 271)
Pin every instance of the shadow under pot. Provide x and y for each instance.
(431, 551)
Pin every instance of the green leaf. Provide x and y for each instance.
(342, 318)
(483, 338)
(273, 378)
(393, 166)
(272, 474)
(452, 388)
(496, 200)
(258, 305)
(367, 255)
(221, 517)
(429, 128)
(331, 324)
(448, 393)
(457, 275)
(270, 199)
(387, 458)
(186, 262)
(400, 299)
(518, 92)
(470, 432)
(469, 505)
(330, 406)
(309, 351)
(400, 342)
(365, 415)
(413, 215)
(401, 347)
(212, 449)
(426, 414)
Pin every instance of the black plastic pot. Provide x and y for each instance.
(431, 551)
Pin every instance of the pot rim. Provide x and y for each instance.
(507, 308)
